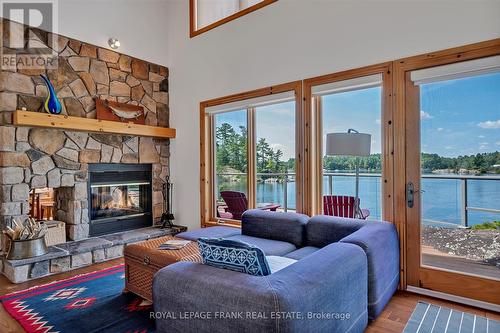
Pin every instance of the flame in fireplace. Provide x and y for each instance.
(112, 200)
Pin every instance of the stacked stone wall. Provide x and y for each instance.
(33, 158)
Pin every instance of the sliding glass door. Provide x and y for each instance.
(453, 182)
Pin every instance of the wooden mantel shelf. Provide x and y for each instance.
(39, 119)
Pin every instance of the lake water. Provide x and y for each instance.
(441, 199)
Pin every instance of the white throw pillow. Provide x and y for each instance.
(277, 263)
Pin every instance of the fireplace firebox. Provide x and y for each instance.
(119, 197)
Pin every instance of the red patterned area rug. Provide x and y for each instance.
(85, 303)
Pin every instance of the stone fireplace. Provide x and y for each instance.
(64, 160)
(34, 158)
(60, 160)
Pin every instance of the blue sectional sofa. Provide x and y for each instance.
(346, 272)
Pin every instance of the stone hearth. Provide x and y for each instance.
(71, 255)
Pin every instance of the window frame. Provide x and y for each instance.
(194, 31)
(314, 159)
(207, 150)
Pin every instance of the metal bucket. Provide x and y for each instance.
(24, 249)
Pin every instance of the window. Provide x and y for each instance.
(251, 153)
(275, 155)
(358, 109)
(357, 180)
(208, 14)
(231, 156)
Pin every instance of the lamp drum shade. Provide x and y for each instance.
(351, 144)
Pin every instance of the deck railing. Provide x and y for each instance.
(464, 206)
(464, 182)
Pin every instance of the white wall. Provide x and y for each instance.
(295, 39)
(140, 25)
(288, 40)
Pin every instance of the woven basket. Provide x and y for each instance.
(56, 233)
(143, 260)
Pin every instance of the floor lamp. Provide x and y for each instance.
(351, 143)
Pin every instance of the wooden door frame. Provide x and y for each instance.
(405, 99)
(313, 125)
(207, 171)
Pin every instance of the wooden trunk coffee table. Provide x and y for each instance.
(143, 260)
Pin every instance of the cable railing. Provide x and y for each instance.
(464, 180)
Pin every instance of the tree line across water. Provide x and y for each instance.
(479, 163)
(231, 156)
(231, 152)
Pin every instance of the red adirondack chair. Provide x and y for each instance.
(237, 204)
(342, 206)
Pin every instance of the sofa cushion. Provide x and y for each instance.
(277, 263)
(234, 255)
(210, 232)
(286, 227)
(322, 230)
(380, 242)
(269, 246)
(302, 252)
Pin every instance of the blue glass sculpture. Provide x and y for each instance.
(52, 104)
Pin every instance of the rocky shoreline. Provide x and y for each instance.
(479, 245)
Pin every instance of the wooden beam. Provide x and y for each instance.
(39, 119)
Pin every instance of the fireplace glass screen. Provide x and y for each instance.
(115, 200)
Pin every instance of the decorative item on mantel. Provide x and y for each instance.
(26, 241)
(115, 111)
(52, 104)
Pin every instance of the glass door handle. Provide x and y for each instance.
(410, 194)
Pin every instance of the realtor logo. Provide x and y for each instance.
(29, 34)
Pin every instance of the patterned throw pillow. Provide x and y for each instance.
(234, 255)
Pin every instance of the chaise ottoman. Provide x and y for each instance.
(143, 260)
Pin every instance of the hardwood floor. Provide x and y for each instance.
(392, 320)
